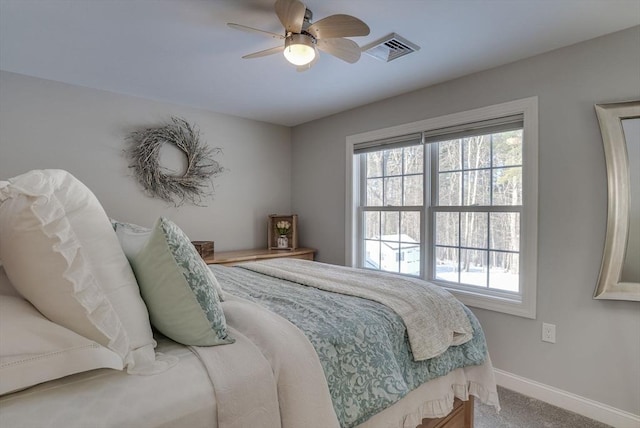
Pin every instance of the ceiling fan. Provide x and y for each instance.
(303, 39)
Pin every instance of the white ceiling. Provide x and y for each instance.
(181, 51)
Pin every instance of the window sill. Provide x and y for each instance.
(512, 306)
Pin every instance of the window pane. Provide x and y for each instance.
(449, 155)
(390, 255)
(473, 267)
(449, 189)
(372, 254)
(372, 224)
(446, 226)
(507, 186)
(505, 272)
(410, 226)
(374, 192)
(505, 231)
(393, 162)
(413, 192)
(447, 264)
(393, 191)
(413, 159)
(474, 230)
(477, 152)
(477, 187)
(410, 259)
(390, 225)
(374, 164)
(507, 148)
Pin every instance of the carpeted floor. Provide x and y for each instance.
(519, 411)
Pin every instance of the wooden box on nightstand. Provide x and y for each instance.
(292, 233)
(204, 248)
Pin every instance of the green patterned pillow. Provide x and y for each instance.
(133, 237)
(179, 289)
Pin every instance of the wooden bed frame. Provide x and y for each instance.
(460, 417)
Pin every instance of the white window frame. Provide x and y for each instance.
(525, 304)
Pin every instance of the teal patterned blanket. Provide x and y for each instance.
(362, 345)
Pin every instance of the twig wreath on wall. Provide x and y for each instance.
(196, 182)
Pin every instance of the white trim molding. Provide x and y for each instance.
(566, 400)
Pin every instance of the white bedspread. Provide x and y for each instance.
(434, 318)
(244, 385)
(269, 378)
(180, 397)
(277, 369)
(434, 399)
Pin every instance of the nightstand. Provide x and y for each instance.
(230, 258)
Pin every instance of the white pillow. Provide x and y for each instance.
(35, 350)
(6, 288)
(59, 251)
(131, 237)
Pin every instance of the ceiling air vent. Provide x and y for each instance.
(390, 47)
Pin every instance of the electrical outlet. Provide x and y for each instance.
(548, 332)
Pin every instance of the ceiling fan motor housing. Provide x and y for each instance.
(308, 16)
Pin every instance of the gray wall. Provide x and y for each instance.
(45, 124)
(597, 354)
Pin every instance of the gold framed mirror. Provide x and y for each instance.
(620, 270)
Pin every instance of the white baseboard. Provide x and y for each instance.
(566, 400)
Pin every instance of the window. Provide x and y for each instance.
(393, 181)
(476, 208)
(454, 203)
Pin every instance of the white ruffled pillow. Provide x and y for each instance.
(35, 350)
(59, 251)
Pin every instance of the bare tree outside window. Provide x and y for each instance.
(476, 209)
(480, 184)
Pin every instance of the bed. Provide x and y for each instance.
(285, 349)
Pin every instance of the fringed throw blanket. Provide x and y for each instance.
(434, 318)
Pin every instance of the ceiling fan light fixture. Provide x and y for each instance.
(299, 49)
(304, 40)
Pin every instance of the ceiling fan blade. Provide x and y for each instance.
(338, 26)
(345, 49)
(291, 14)
(311, 64)
(265, 52)
(254, 30)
